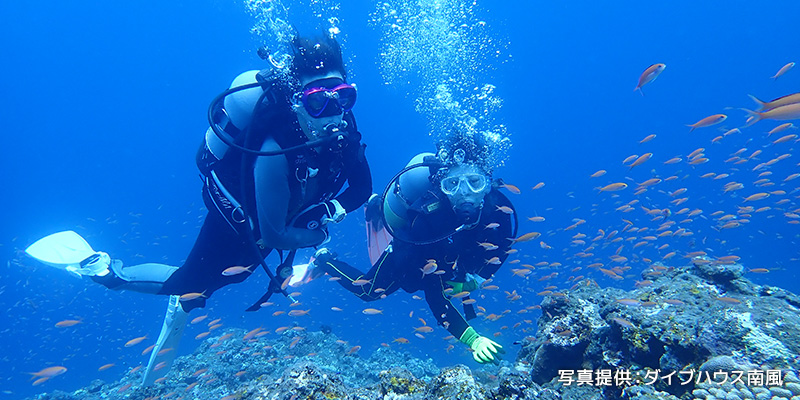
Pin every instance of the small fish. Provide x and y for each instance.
(708, 121)
(782, 113)
(598, 174)
(152, 346)
(128, 385)
(538, 186)
(429, 268)
(629, 302)
(757, 196)
(780, 101)
(135, 341)
(492, 225)
(784, 139)
(505, 209)
(336, 309)
(758, 270)
(401, 340)
(494, 261)
(526, 237)
(371, 311)
(536, 219)
(236, 270)
(641, 160)
(361, 282)
(784, 69)
(674, 302)
(729, 300)
(488, 246)
(647, 138)
(198, 319)
(650, 74)
(49, 372)
(67, 323)
(298, 313)
(106, 366)
(511, 188)
(424, 329)
(354, 350)
(192, 296)
(780, 128)
(623, 322)
(613, 187)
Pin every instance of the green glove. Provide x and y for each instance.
(470, 285)
(484, 350)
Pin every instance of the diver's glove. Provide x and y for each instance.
(484, 350)
(468, 286)
(320, 215)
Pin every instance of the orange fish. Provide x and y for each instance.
(641, 160)
(598, 173)
(511, 188)
(505, 209)
(647, 138)
(236, 270)
(613, 187)
(135, 341)
(538, 186)
(757, 196)
(67, 323)
(780, 101)
(192, 296)
(708, 121)
(105, 367)
(198, 319)
(298, 313)
(526, 237)
(782, 113)
(151, 347)
(784, 69)
(49, 372)
(784, 139)
(650, 74)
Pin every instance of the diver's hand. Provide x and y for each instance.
(320, 214)
(484, 350)
(468, 286)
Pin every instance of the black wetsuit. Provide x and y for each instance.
(402, 267)
(220, 245)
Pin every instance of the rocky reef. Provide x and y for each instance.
(702, 331)
(696, 319)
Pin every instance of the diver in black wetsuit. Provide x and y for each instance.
(281, 146)
(451, 228)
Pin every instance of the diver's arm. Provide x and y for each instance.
(272, 201)
(441, 307)
(359, 184)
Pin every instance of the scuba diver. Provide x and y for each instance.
(441, 226)
(281, 145)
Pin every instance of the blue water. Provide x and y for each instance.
(103, 107)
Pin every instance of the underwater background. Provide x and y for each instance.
(104, 106)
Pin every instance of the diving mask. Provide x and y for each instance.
(475, 182)
(321, 101)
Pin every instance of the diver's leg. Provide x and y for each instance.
(143, 278)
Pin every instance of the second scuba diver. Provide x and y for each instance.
(450, 230)
(281, 146)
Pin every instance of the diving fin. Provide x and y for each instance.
(378, 240)
(69, 251)
(166, 348)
